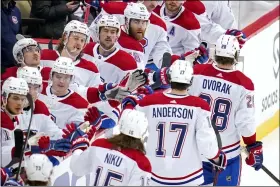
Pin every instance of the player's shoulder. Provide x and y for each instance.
(120, 57)
(157, 20)
(195, 6)
(41, 108)
(128, 42)
(195, 101)
(9, 72)
(114, 7)
(49, 54)
(236, 76)
(85, 64)
(187, 20)
(75, 100)
(139, 157)
(6, 121)
(89, 48)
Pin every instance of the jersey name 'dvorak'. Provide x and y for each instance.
(216, 86)
(172, 112)
(113, 159)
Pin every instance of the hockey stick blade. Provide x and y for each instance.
(166, 62)
(267, 171)
(18, 135)
(31, 104)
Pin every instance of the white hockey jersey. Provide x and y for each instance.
(8, 126)
(112, 68)
(231, 96)
(41, 121)
(183, 30)
(110, 167)
(220, 12)
(210, 31)
(179, 132)
(64, 109)
(155, 41)
(85, 73)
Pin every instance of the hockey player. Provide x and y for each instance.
(13, 99)
(180, 131)
(73, 41)
(26, 53)
(112, 62)
(119, 160)
(183, 28)
(136, 21)
(41, 119)
(231, 97)
(38, 170)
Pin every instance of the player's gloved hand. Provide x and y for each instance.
(221, 164)
(203, 56)
(158, 78)
(241, 37)
(112, 91)
(52, 147)
(13, 182)
(93, 116)
(132, 100)
(145, 90)
(190, 55)
(78, 138)
(135, 79)
(6, 173)
(255, 157)
(91, 132)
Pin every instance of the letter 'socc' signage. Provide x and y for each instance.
(276, 54)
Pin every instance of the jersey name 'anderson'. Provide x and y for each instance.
(172, 112)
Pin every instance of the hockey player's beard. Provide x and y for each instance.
(137, 36)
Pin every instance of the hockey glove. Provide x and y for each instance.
(132, 100)
(255, 157)
(13, 182)
(203, 56)
(158, 78)
(112, 91)
(241, 37)
(135, 80)
(145, 90)
(52, 147)
(77, 137)
(5, 175)
(221, 165)
(190, 55)
(93, 116)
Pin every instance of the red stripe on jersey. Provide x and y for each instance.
(195, 6)
(87, 65)
(123, 60)
(231, 145)
(236, 77)
(41, 108)
(128, 42)
(156, 20)
(178, 178)
(48, 54)
(139, 157)
(76, 101)
(89, 49)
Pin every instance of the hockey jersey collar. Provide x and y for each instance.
(223, 70)
(49, 93)
(166, 18)
(170, 95)
(99, 56)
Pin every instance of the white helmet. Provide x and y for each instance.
(134, 123)
(30, 74)
(38, 167)
(136, 11)
(108, 21)
(181, 71)
(63, 65)
(20, 45)
(77, 26)
(227, 46)
(15, 86)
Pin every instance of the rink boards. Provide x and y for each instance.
(259, 61)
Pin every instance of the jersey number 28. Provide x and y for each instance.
(221, 110)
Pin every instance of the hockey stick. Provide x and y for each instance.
(18, 135)
(166, 62)
(267, 171)
(31, 104)
(219, 140)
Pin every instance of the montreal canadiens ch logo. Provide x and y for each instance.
(14, 19)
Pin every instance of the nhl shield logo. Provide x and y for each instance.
(14, 19)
